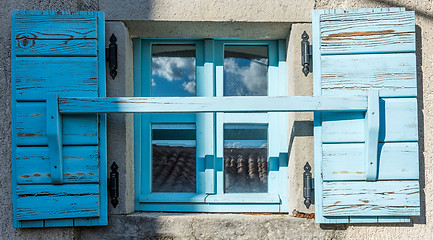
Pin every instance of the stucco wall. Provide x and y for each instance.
(225, 18)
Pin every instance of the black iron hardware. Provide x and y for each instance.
(306, 53)
(113, 183)
(308, 186)
(111, 53)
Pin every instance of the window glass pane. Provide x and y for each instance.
(173, 158)
(245, 158)
(173, 70)
(245, 70)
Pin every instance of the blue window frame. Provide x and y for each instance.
(210, 162)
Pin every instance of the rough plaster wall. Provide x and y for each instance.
(301, 135)
(423, 226)
(205, 10)
(6, 229)
(119, 125)
(207, 226)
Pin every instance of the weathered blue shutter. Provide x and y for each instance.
(364, 173)
(57, 52)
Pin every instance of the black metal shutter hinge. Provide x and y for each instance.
(111, 54)
(308, 186)
(306, 54)
(113, 184)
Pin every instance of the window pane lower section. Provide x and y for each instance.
(173, 158)
(245, 158)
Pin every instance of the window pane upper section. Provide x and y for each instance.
(245, 70)
(173, 70)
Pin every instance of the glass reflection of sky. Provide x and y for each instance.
(173, 71)
(245, 70)
(245, 136)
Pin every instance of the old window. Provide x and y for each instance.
(210, 162)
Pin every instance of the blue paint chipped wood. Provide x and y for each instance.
(31, 126)
(80, 165)
(398, 160)
(348, 34)
(60, 53)
(372, 136)
(380, 198)
(57, 201)
(37, 76)
(211, 104)
(398, 114)
(54, 135)
(356, 50)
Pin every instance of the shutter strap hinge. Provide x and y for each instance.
(306, 54)
(111, 54)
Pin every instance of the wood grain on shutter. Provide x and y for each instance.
(356, 50)
(31, 126)
(398, 160)
(382, 198)
(57, 201)
(67, 76)
(80, 165)
(399, 115)
(367, 33)
(57, 52)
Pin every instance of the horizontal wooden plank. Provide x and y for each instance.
(80, 165)
(211, 104)
(34, 47)
(350, 72)
(398, 122)
(57, 201)
(68, 222)
(381, 198)
(31, 126)
(58, 26)
(384, 92)
(67, 76)
(368, 33)
(347, 161)
(359, 10)
(366, 14)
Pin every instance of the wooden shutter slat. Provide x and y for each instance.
(346, 161)
(67, 76)
(80, 165)
(381, 198)
(399, 114)
(75, 47)
(57, 201)
(58, 26)
(346, 72)
(31, 126)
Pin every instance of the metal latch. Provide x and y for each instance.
(308, 186)
(111, 54)
(113, 184)
(306, 53)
